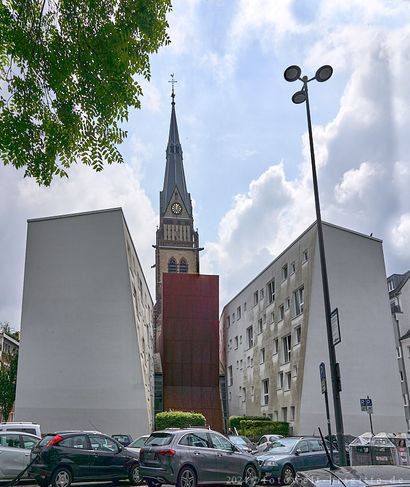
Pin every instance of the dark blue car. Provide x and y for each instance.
(288, 455)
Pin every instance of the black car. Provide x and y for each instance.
(63, 458)
(358, 476)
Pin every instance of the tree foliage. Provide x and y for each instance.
(68, 72)
(8, 378)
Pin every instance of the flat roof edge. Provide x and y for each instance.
(70, 215)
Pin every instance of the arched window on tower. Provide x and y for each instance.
(172, 265)
(183, 265)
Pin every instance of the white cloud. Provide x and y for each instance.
(355, 183)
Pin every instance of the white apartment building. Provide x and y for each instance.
(86, 353)
(275, 336)
(8, 346)
(398, 286)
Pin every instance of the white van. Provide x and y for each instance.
(24, 427)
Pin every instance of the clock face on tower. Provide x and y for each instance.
(176, 208)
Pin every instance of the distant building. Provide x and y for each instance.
(398, 286)
(8, 346)
(86, 356)
(275, 336)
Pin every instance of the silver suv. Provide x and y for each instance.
(188, 457)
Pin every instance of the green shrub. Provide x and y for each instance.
(234, 421)
(178, 419)
(254, 429)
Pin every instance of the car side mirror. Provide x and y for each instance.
(298, 452)
(120, 449)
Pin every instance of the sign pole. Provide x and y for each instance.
(370, 411)
(323, 381)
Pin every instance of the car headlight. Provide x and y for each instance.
(270, 463)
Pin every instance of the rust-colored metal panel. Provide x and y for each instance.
(190, 345)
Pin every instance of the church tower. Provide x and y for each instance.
(177, 243)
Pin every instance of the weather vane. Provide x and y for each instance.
(172, 81)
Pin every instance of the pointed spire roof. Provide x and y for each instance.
(174, 179)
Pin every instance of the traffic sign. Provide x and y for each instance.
(366, 405)
(334, 320)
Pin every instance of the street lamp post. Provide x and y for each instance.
(293, 73)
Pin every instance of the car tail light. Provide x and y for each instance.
(167, 453)
(55, 440)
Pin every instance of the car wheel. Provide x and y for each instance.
(250, 476)
(186, 478)
(288, 475)
(134, 475)
(62, 477)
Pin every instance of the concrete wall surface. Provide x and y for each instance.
(80, 363)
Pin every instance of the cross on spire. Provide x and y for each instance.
(172, 81)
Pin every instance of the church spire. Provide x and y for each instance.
(174, 180)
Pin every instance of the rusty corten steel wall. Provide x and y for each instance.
(190, 354)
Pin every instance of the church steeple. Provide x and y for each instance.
(174, 180)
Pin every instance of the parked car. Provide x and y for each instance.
(288, 455)
(125, 440)
(357, 476)
(242, 442)
(67, 457)
(137, 444)
(188, 457)
(21, 426)
(265, 442)
(15, 448)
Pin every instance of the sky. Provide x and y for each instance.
(245, 145)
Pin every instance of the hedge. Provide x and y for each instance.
(234, 421)
(178, 419)
(254, 429)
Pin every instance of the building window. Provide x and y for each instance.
(172, 265)
(233, 317)
(275, 416)
(271, 291)
(390, 285)
(237, 364)
(240, 339)
(287, 304)
(398, 352)
(405, 400)
(292, 268)
(275, 346)
(287, 347)
(292, 413)
(299, 300)
(288, 381)
(260, 326)
(228, 321)
(241, 364)
(295, 371)
(249, 336)
(183, 265)
(243, 394)
(238, 312)
(284, 272)
(401, 376)
(298, 334)
(230, 376)
(249, 361)
(261, 294)
(265, 392)
(281, 312)
(305, 255)
(255, 298)
(284, 414)
(244, 306)
(262, 355)
(236, 343)
(272, 318)
(408, 352)
(280, 380)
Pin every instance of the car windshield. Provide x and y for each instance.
(46, 439)
(284, 445)
(238, 440)
(139, 442)
(159, 439)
